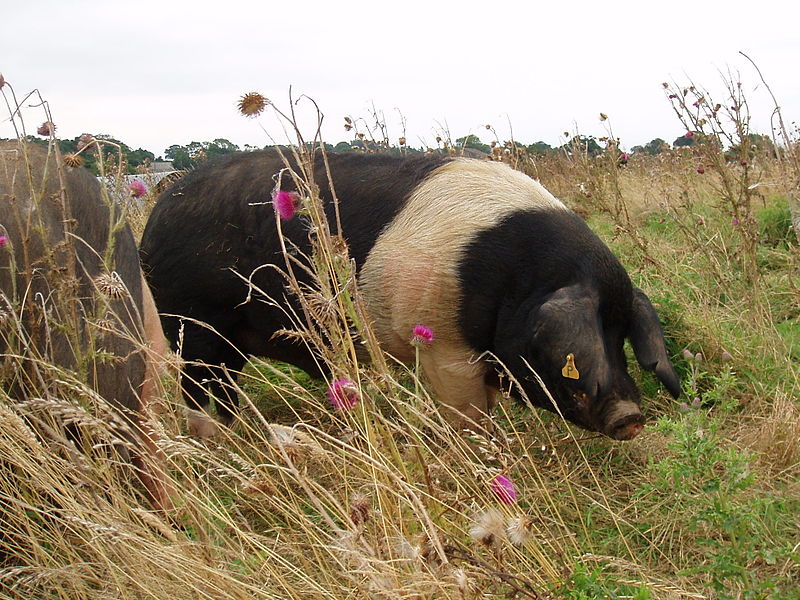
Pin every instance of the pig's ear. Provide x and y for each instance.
(647, 339)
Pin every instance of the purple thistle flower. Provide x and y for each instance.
(726, 356)
(421, 336)
(3, 240)
(137, 189)
(688, 354)
(688, 134)
(504, 489)
(343, 394)
(735, 222)
(285, 203)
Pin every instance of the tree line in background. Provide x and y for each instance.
(190, 155)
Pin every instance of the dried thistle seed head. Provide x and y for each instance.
(47, 128)
(255, 487)
(73, 160)
(110, 285)
(359, 510)
(86, 142)
(2, 81)
(252, 104)
(402, 141)
(488, 528)
(603, 116)
(520, 530)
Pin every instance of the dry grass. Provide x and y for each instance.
(387, 501)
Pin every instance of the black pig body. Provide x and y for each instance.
(479, 253)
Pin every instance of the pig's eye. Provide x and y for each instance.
(582, 399)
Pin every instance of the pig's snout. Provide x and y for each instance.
(624, 421)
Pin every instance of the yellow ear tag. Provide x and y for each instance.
(570, 371)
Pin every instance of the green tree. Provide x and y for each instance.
(472, 141)
(687, 139)
(653, 147)
(539, 148)
(582, 143)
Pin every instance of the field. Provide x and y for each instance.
(383, 499)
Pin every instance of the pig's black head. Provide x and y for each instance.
(573, 339)
(564, 307)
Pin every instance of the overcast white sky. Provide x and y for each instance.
(154, 74)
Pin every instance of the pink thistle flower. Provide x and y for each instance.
(701, 170)
(421, 336)
(688, 134)
(3, 240)
(735, 222)
(285, 203)
(343, 394)
(504, 489)
(137, 189)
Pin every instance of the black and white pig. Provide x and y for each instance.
(477, 252)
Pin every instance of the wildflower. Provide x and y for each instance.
(343, 394)
(688, 354)
(422, 336)
(73, 160)
(683, 407)
(504, 489)
(696, 402)
(488, 528)
(137, 189)
(47, 128)
(701, 170)
(3, 240)
(252, 104)
(735, 222)
(699, 357)
(688, 134)
(285, 203)
(673, 96)
(726, 356)
(402, 141)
